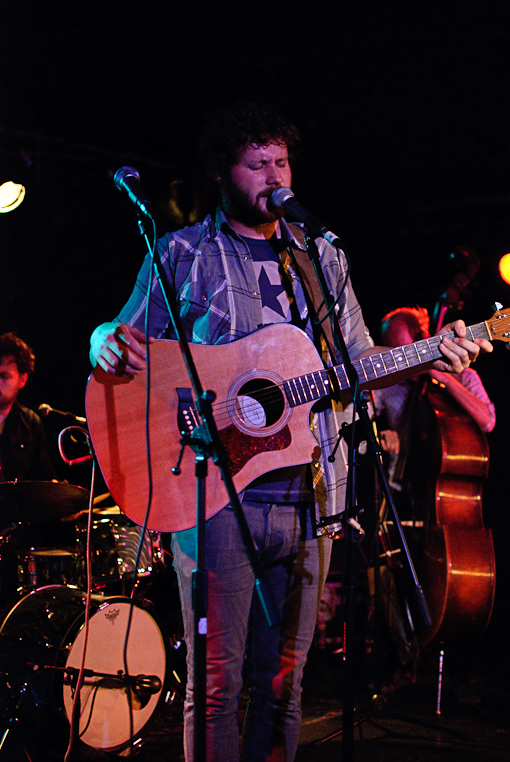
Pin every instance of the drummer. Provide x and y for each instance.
(23, 449)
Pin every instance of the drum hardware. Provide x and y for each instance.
(73, 434)
(115, 706)
(54, 553)
(12, 717)
(46, 626)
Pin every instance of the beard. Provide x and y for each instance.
(242, 208)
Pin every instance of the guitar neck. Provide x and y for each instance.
(321, 383)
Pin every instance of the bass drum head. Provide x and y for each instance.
(112, 716)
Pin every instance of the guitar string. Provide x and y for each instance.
(274, 392)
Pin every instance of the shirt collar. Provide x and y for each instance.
(221, 223)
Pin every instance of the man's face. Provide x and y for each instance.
(400, 332)
(250, 182)
(11, 381)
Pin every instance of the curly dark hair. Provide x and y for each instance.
(244, 123)
(12, 346)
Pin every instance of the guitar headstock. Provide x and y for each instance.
(499, 325)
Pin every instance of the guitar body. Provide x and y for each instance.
(258, 435)
(265, 386)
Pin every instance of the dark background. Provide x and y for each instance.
(404, 111)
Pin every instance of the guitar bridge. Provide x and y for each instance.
(187, 417)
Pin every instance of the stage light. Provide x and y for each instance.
(504, 267)
(11, 196)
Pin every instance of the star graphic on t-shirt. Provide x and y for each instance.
(270, 293)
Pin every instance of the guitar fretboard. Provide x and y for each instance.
(313, 386)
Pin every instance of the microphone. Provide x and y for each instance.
(127, 179)
(283, 198)
(45, 410)
(142, 685)
(147, 685)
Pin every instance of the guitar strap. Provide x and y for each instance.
(323, 335)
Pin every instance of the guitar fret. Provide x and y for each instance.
(316, 388)
(412, 357)
(373, 374)
(290, 394)
(320, 379)
(433, 355)
(343, 381)
(302, 390)
(399, 357)
(378, 365)
(297, 391)
(309, 387)
(389, 361)
(305, 386)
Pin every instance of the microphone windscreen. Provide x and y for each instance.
(280, 195)
(124, 172)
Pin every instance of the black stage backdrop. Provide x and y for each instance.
(404, 111)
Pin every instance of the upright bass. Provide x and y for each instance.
(458, 570)
(439, 476)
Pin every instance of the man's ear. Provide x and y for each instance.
(23, 379)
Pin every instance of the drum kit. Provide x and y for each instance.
(43, 582)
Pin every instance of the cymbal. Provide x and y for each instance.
(37, 502)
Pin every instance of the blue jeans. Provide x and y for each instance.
(295, 569)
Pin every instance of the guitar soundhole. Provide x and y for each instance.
(259, 405)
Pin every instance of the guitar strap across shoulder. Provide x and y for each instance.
(323, 334)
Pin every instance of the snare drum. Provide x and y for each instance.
(41, 644)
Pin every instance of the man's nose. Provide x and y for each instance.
(274, 175)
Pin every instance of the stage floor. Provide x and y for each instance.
(401, 724)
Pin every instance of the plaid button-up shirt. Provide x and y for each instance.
(211, 271)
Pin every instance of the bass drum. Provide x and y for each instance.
(41, 644)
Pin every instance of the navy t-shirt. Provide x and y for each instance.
(292, 484)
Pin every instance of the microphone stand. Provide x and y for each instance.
(349, 520)
(205, 441)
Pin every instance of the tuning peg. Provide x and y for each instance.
(496, 307)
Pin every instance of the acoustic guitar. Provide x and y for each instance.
(262, 411)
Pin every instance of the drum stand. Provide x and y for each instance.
(13, 721)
